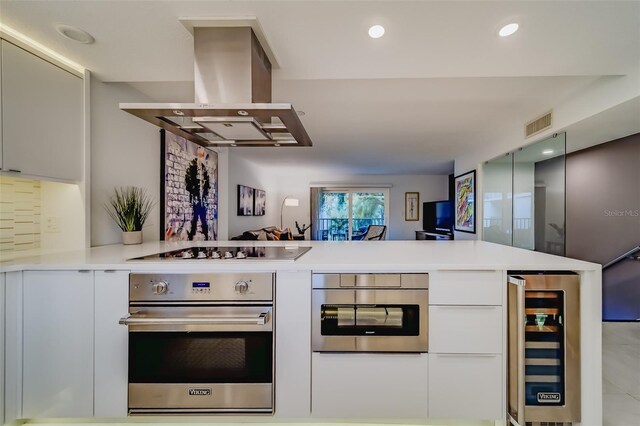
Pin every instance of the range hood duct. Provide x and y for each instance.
(232, 96)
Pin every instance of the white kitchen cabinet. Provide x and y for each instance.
(464, 386)
(465, 329)
(13, 347)
(111, 343)
(293, 343)
(2, 344)
(369, 385)
(466, 287)
(42, 117)
(57, 344)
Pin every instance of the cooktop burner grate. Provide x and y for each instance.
(273, 253)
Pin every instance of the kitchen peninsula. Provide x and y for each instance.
(66, 356)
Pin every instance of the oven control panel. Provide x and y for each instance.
(256, 287)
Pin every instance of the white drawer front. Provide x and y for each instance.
(465, 386)
(465, 329)
(466, 288)
(368, 386)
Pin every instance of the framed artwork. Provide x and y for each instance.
(259, 202)
(411, 206)
(188, 190)
(245, 200)
(465, 198)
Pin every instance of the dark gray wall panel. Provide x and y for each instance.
(603, 218)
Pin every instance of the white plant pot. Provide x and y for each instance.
(134, 237)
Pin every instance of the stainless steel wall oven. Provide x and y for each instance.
(200, 343)
(370, 312)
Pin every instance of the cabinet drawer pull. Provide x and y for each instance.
(15, 170)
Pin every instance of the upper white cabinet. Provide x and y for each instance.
(58, 335)
(42, 117)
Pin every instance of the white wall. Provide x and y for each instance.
(125, 151)
(295, 182)
(244, 172)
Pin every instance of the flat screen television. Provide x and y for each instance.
(437, 216)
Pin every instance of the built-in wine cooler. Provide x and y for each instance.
(544, 349)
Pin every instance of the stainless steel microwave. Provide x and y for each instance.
(370, 312)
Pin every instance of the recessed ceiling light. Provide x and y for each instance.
(243, 112)
(276, 144)
(547, 152)
(74, 33)
(508, 29)
(376, 31)
(301, 113)
(178, 112)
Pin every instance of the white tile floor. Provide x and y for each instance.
(621, 373)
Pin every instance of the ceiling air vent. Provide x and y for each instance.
(538, 125)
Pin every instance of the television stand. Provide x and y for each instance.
(428, 235)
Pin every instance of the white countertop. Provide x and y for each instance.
(325, 256)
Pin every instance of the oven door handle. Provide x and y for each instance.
(261, 319)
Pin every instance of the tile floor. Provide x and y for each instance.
(621, 373)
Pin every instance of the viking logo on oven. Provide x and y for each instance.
(548, 397)
(199, 391)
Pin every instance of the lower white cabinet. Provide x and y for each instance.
(465, 329)
(369, 386)
(57, 370)
(2, 345)
(111, 343)
(465, 386)
(293, 345)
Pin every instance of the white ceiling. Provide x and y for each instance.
(440, 82)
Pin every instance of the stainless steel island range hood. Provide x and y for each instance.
(232, 96)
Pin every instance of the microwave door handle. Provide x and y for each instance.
(261, 319)
(516, 299)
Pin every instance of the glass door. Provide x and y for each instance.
(347, 214)
(524, 197)
(368, 209)
(497, 221)
(335, 207)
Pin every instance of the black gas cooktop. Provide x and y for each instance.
(275, 253)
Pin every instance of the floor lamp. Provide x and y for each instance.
(289, 202)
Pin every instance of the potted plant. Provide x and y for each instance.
(129, 207)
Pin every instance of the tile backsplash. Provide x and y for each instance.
(20, 214)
